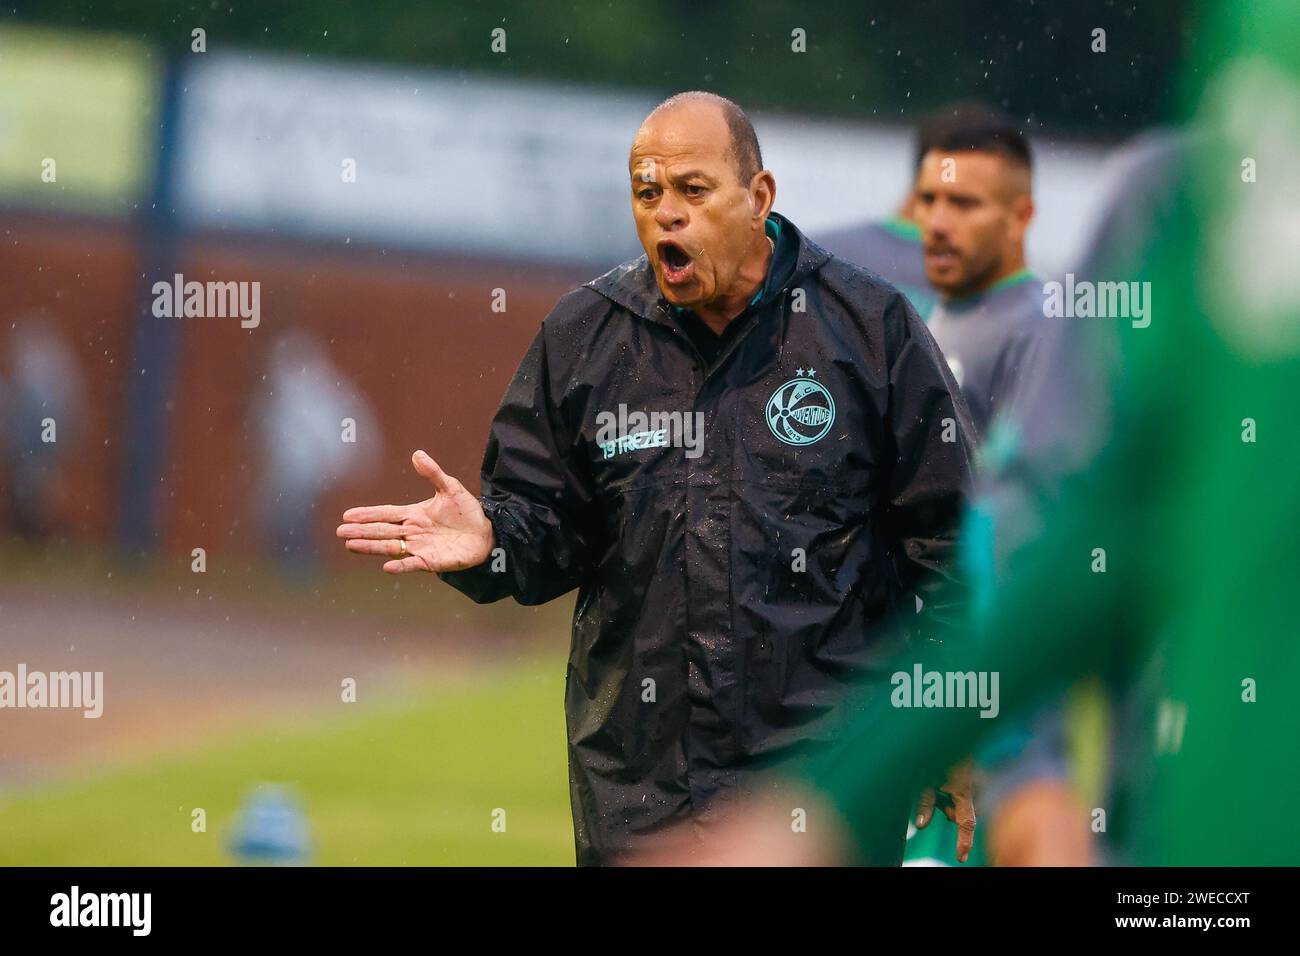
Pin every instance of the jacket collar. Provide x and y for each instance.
(632, 285)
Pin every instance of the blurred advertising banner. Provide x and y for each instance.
(503, 169)
(414, 160)
(76, 120)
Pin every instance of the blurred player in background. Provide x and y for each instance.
(973, 204)
(892, 248)
(961, 249)
(42, 404)
(311, 422)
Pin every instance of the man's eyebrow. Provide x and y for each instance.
(950, 193)
(691, 174)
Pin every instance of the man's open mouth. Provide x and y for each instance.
(675, 261)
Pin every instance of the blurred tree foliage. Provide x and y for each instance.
(877, 59)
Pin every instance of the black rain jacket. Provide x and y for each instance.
(728, 601)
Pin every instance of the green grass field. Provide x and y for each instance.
(412, 782)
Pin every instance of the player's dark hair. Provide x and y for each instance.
(971, 125)
(744, 141)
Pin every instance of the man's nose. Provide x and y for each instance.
(670, 214)
(937, 221)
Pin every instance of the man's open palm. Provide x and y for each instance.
(447, 532)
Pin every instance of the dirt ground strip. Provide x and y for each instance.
(177, 671)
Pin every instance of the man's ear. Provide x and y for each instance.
(1022, 212)
(762, 195)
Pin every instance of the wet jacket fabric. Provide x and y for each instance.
(731, 591)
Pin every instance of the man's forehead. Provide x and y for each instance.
(983, 158)
(688, 132)
(969, 167)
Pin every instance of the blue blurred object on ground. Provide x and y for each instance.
(271, 828)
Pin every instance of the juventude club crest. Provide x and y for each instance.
(801, 411)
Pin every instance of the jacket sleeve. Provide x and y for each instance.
(930, 477)
(532, 493)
